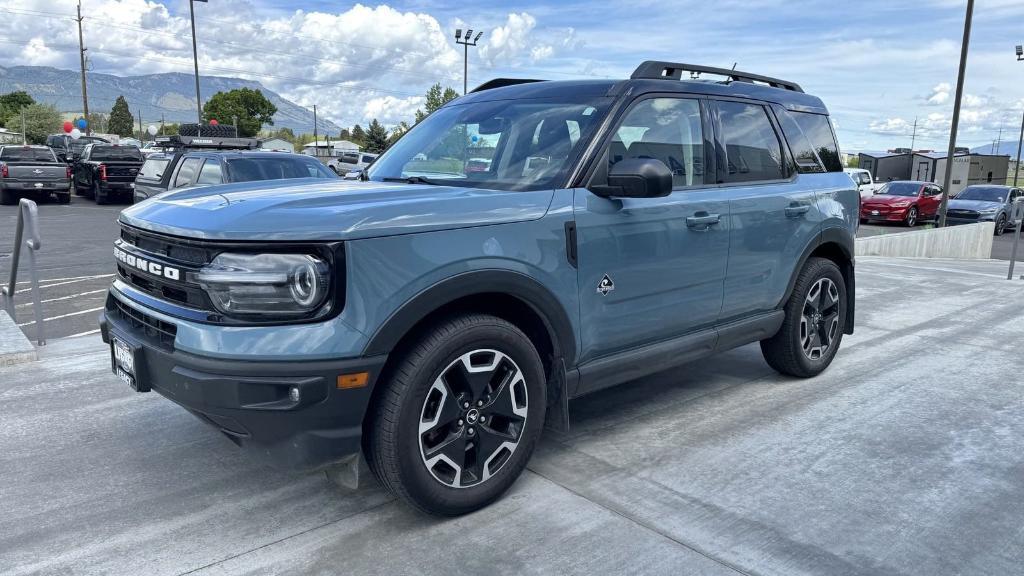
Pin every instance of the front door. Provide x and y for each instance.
(652, 268)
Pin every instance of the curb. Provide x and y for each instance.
(15, 348)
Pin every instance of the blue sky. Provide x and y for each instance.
(876, 64)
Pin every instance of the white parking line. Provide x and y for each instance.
(64, 297)
(68, 278)
(66, 282)
(80, 312)
(96, 331)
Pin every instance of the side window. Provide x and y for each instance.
(666, 129)
(818, 130)
(752, 148)
(187, 172)
(210, 174)
(807, 160)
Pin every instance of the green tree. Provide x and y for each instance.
(358, 135)
(121, 120)
(41, 120)
(10, 105)
(436, 97)
(397, 132)
(97, 122)
(250, 107)
(854, 162)
(345, 134)
(376, 137)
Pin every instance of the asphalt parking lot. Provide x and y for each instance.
(905, 457)
(76, 263)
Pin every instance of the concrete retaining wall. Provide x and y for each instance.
(970, 241)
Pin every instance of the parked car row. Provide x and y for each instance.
(909, 202)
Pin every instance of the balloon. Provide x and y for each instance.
(213, 122)
(82, 123)
(67, 127)
(152, 130)
(76, 134)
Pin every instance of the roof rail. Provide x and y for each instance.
(653, 69)
(501, 83)
(210, 142)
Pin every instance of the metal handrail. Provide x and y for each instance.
(28, 218)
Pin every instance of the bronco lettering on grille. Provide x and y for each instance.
(144, 265)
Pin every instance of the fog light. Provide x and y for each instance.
(293, 394)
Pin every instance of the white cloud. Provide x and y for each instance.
(391, 110)
(940, 93)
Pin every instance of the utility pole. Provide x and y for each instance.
(195, 62)
(956, 113)
(913, 138)
(81, 56)
(466, 42)
(999, 140)
(24, 130)
(316, 143)
(140, 125)
(1016, 171)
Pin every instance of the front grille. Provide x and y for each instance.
(156, 330)
(186, 257)
(963, 214)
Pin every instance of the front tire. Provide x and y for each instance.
(1001, 225)
(911, 220)
(815, 319)
(459, 415)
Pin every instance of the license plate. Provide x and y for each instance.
(39, 184)
(124, 364)
(874, 212)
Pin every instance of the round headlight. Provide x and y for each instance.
(305, 285)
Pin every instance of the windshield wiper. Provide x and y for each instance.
(411, 180)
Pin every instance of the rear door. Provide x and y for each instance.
(651, 269)
(186, 173)
(211, 173)
(773, 211)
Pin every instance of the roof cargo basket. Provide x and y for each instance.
(653, 70)
(501, 83)
(207, 142)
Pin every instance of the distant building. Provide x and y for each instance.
(277, 144)
(973, 169)
(10, 137)
(330, 148)
(885, 166)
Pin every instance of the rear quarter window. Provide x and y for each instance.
(818, 131)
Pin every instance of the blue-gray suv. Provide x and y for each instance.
(437, 314)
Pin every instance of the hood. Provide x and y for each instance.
(976, 205)
(887, 200)
(327, 209)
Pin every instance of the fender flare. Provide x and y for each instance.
(515, 284)
(841, 238)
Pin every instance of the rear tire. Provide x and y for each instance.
(8, 198)
(64, 198)
(459, 415)
(99, 195)
(811, 333)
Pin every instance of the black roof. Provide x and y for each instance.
(784, 93)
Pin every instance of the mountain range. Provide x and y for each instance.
(170, 95)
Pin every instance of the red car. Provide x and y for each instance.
(907, 202)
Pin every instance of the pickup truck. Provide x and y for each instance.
(65, 147)
(32, 171)
(106, 170)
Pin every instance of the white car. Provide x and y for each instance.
(865, 183)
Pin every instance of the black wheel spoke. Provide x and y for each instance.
(453, 447)
(484, 444)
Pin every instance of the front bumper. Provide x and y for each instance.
(886, 214)
(249, 400)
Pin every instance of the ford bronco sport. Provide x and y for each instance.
(433, 318)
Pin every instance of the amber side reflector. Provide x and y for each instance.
(357, 380)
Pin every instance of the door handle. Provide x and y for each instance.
(702, 220)
(797, 211)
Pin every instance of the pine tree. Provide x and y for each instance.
(376, 137)
(121, 120)
(358, 136)
(435, 98)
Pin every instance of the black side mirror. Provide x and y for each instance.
(637, 178)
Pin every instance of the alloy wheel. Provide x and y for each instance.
(819, 323)
(473, 418)
(912, 217)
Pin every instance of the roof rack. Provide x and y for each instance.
(501, 83)
(209, 142)
(653, 69)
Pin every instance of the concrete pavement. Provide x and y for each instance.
(905, 457)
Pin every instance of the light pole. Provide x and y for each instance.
(956, 114)
(1016, 172)
(195, 60)
(466, 42)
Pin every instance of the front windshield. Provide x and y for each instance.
(505, 145)
(983, 193)
(901, 189)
